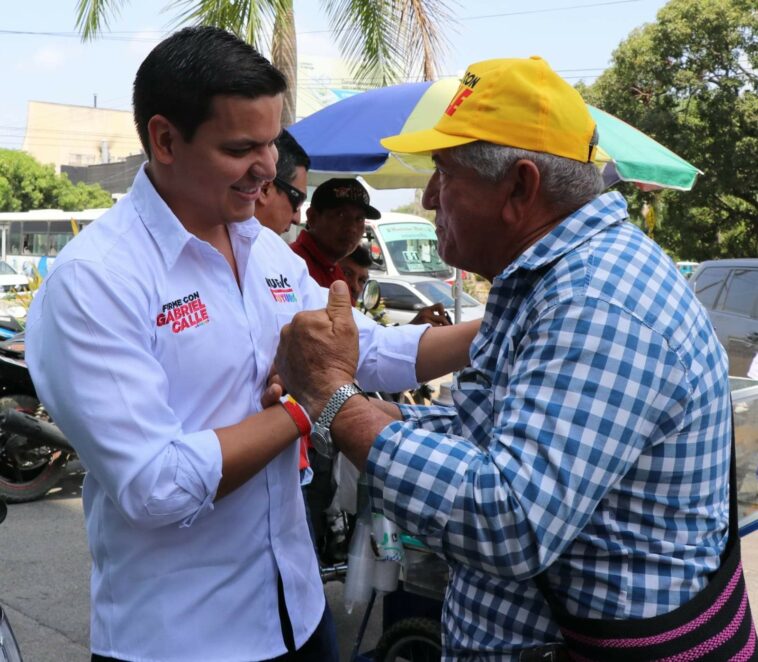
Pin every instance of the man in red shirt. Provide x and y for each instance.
(336, 221)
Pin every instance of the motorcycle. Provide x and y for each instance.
(33, 452)
(9, 651)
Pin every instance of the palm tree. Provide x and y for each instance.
(382, 41)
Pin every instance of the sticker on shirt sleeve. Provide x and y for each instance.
(280, 289)
(185, 313)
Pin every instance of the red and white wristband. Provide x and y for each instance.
(297, 414)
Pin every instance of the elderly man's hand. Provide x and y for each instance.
(318, 351)
(436, 315)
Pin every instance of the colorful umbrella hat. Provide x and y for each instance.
(343, 138)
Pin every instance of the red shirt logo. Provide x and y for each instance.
(184, 313)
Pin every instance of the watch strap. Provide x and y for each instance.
(334, 404)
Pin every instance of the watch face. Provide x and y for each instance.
(322, 441)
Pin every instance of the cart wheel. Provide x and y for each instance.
(410, 640)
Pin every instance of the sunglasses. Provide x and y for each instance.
(294, 195)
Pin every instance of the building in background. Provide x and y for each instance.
(115, 177)
(100, 145)
(62, 134)
(321, 81)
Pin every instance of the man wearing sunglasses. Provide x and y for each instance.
(281, 199)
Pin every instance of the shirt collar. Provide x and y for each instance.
(166, 229)
(306, 240)
(578, 227)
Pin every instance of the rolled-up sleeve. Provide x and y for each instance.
(89, 341)
(434, 418)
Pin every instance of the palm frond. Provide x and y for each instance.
(248, 19)
(385, 41)
(368, 38)
(92, 16)
(423, 41)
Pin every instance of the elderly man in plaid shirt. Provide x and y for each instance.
(589, 440)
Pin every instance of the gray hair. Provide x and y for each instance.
(566, 183)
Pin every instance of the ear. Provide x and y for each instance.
(163, 136)
(523, 184)
(310, 216)
(267, 191)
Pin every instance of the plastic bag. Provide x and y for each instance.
(389, 553)
(360, 565)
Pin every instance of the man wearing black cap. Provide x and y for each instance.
(336, 220)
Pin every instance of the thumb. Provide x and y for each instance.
(339, 306)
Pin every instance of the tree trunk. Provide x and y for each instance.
(284, 58)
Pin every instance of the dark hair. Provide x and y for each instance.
(182, 74)
(360, 256)
(291, 155)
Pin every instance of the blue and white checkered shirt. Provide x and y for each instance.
(590, 437)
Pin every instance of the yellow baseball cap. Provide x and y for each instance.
(515, 102)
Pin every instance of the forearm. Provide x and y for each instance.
(389, 408)
(357, 424)
(445, 349)
(250, 445)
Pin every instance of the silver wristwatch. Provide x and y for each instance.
(321, 437)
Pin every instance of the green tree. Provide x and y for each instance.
(689, 80)
(27, 184)
(383, 41)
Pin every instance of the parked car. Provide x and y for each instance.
(405, 245)
(729, 291)
(404, 296)
(12, 319)
(686, 267)
(10, 280)
(399, 245)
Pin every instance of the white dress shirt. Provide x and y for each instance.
(140, 344)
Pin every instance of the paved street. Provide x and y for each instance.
(44, 581)
(44, 578)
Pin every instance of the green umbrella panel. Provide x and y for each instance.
(629, 155)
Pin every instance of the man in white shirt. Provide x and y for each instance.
(151, 343)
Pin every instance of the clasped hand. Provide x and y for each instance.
(318, 351)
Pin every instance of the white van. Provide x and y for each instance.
(11, 282)
(399, 244)
(404, 245)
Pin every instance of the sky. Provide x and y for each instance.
(44, 59)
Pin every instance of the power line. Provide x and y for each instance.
(77, 35)
(547, 10)
(124, 35)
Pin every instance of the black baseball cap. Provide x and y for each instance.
(337, 191)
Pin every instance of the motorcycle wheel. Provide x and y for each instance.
(410, 640)
(27, 475)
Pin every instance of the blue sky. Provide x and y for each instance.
(577, 37)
